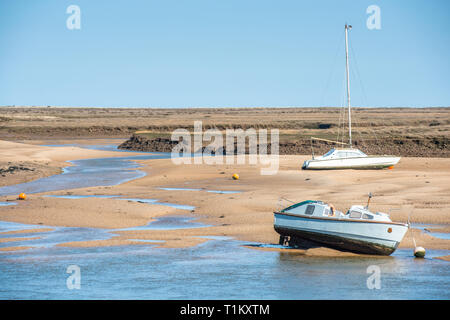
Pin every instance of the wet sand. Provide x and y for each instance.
(445, 258)
(8, 249)
(26, 231)
(419, 183)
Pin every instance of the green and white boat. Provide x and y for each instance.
(358, 230)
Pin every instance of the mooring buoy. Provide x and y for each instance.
(419, 252)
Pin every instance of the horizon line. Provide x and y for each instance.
(219, 107)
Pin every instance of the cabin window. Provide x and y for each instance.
(353, 155)
(367, 216)
(309, 209)
(355, 214)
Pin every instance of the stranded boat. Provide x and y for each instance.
(359, 230)
(348, 158)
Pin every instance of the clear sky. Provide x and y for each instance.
(223, 53)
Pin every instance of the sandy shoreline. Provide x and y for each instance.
(421, 183)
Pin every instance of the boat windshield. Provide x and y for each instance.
(328, 153)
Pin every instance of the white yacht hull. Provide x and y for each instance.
(370, 162)
(369, 237)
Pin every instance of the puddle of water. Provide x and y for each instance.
(180, 189)
(150, 201)
(176, 206)
(169, 223)
(155, 201)
(6, 226)
(428, 228)
(441, 235)
(115, 197)
(7, 203)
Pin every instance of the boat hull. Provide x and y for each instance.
(343, 234)
(378, 162)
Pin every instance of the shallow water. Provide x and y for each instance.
(47, 239)
(169, 223)
(60, 235)
(168, 204)
(115, 197)
(180, 189)
(7, 203)
(6, 226)
(217, 269)
(87, 173)
(220, 268)
(428, 228)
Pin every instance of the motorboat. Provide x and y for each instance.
(358, 230)
(349, 157)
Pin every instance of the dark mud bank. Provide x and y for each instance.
(406, 146)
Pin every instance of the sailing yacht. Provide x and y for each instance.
(349, 157)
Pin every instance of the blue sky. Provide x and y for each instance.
(223, 53)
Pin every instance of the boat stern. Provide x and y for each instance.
(395, 160)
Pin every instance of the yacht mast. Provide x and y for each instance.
(348, 27)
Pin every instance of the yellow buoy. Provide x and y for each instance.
(235, 176)
(22, 196)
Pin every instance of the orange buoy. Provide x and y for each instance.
(22, 196)
(391, 167)
(235, 176)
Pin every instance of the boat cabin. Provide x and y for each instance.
(313, 208)
(360, 212)
(342, 154)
